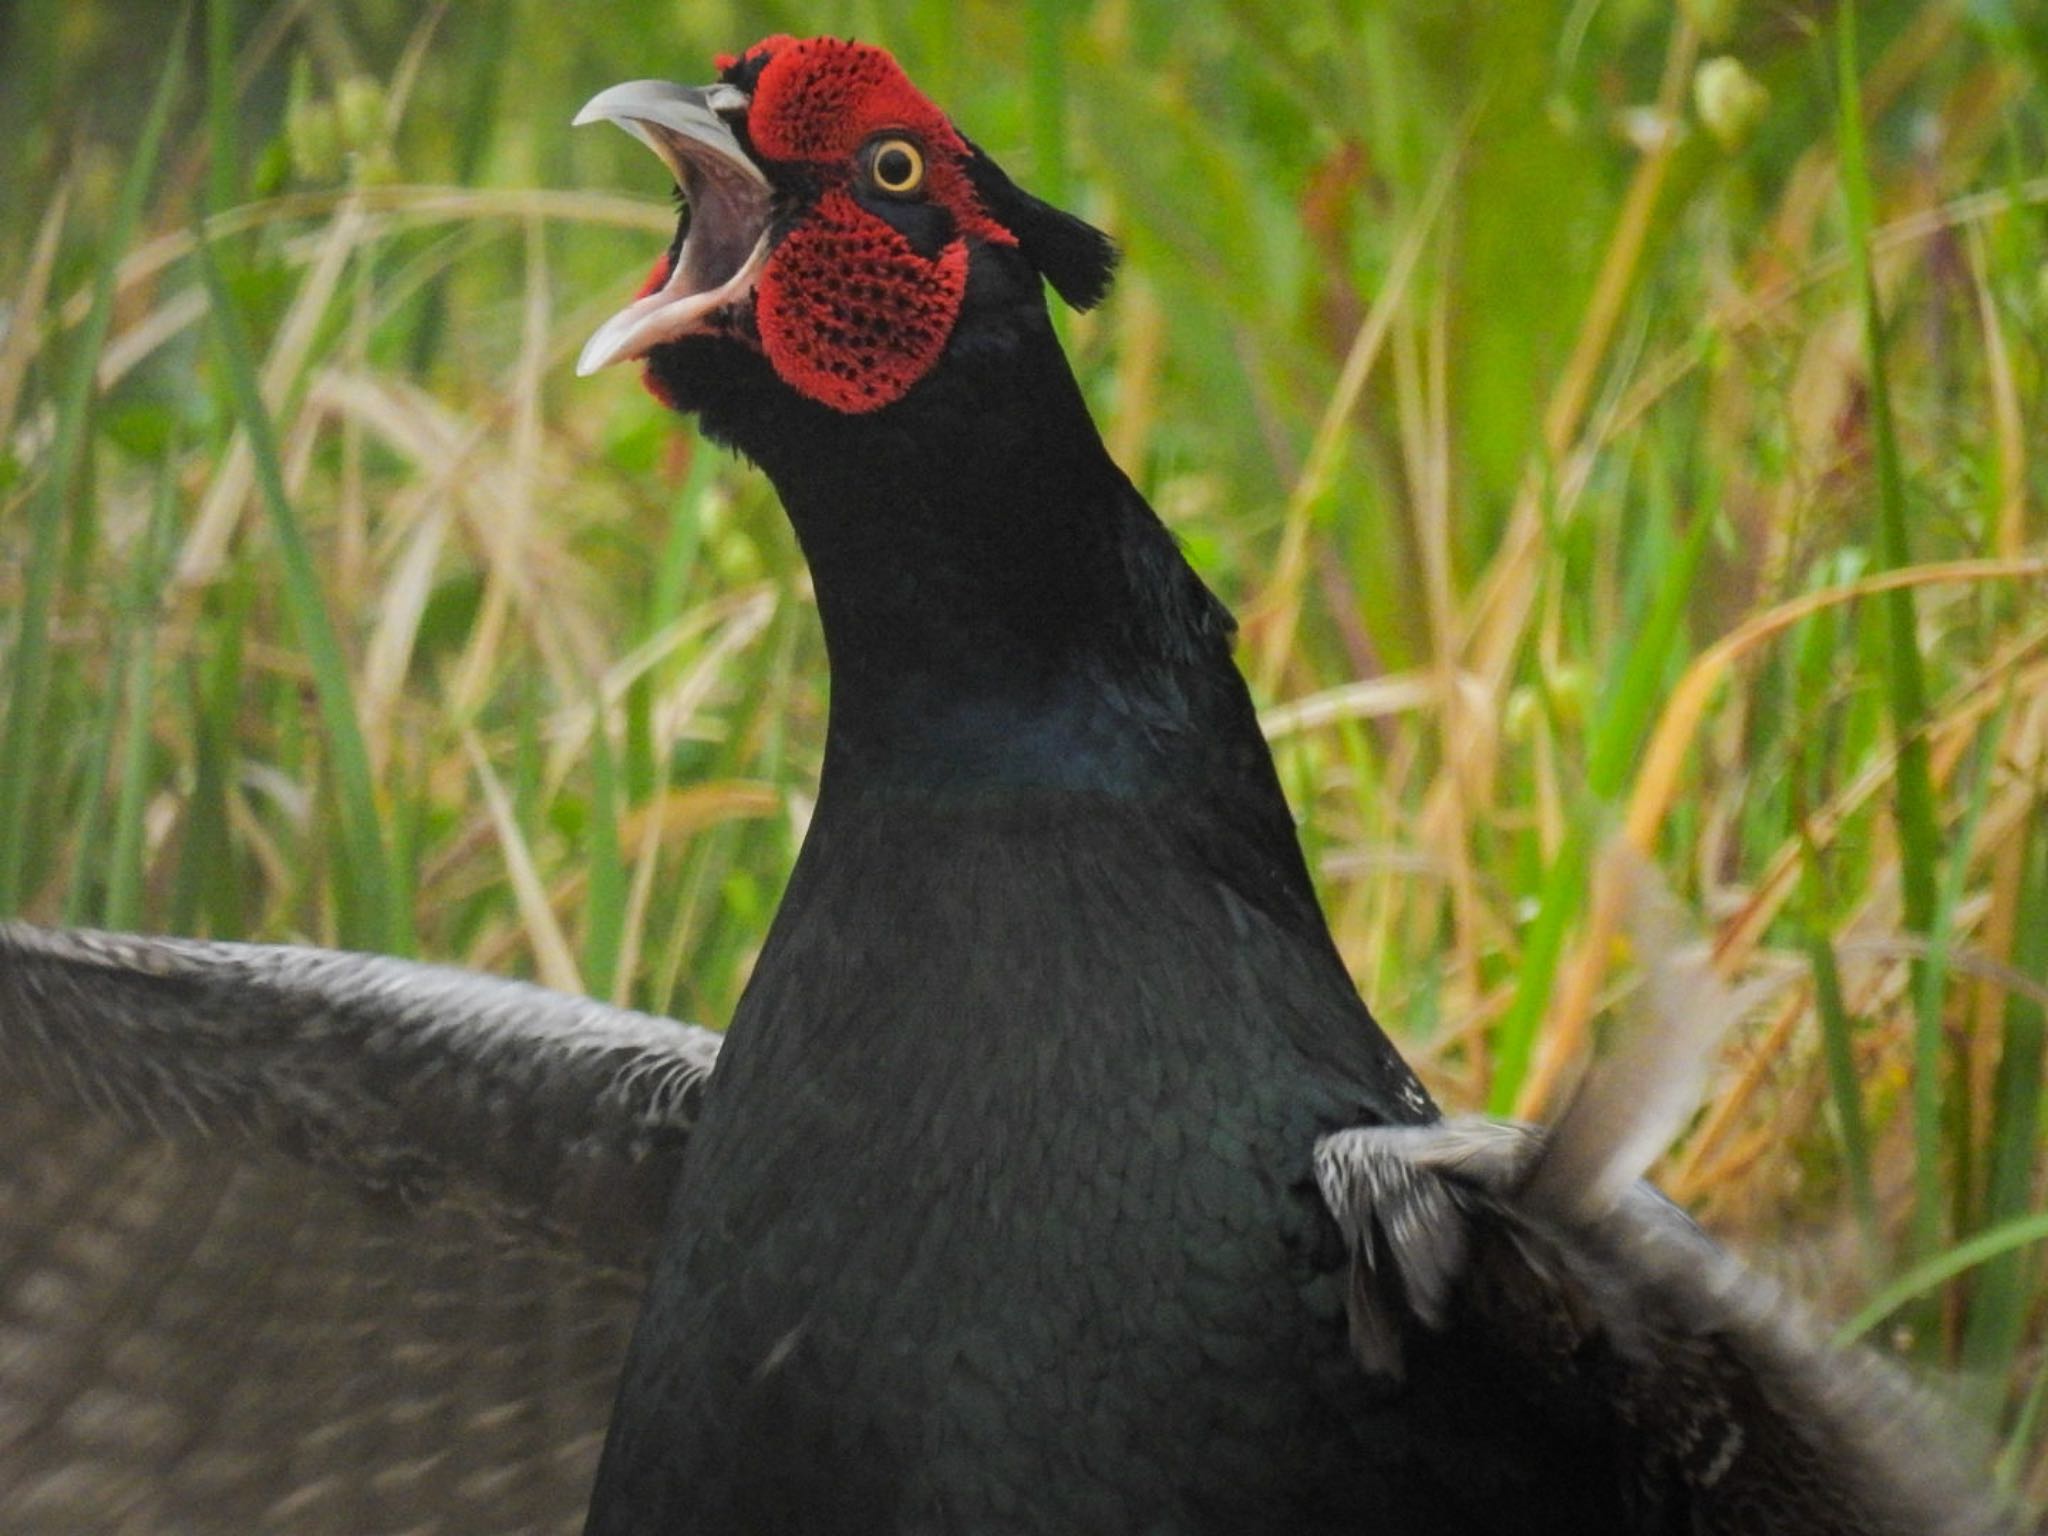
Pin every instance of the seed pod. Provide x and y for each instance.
(1729, 99)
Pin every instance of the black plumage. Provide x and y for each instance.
(1053, 1177)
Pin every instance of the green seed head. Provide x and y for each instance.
(1729, 99)
(360, 103)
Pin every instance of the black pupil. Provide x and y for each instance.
(894, 167)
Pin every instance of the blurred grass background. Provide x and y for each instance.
(1609, 420)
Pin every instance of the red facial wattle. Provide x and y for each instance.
(849, 312)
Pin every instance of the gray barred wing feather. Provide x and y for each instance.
(300, 1241)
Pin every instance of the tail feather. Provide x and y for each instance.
(1578, 1282)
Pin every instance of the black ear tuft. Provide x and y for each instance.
(1073, 255)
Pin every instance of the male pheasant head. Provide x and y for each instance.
(833, 223)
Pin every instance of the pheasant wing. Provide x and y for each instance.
(301, 1241)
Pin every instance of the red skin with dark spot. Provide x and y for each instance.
(852, 315)
(849, 312)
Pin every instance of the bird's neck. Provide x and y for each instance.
(1001, 609)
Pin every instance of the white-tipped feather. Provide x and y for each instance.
(1544, 1251)
(1646, 1086)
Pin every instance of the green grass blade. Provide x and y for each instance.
(371, 917)
(1838, 1032)
(2012, 1461)
(1618, 735)
(94, 754)
(223, 165)
(1919, 832)
(31, 658)
(208, 886)
(125, 860)
(1048, 120)
(2006, 1237)
(604, 930)
(679, 562)
(1929, 1041)
(2006, 1290)
(680, 550)
(1919, 825)
(1048, 77)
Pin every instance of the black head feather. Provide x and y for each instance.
(1073, 255)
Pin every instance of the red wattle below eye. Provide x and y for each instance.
(849, 313)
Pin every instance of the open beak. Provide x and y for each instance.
(729, 202)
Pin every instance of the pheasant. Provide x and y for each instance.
(1051, 1175)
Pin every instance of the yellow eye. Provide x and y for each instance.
(896, 166)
